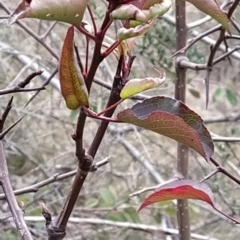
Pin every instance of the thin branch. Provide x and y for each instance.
(55, 178)
(46, 82)
(135, 226)
(5, 114)
(3, 133)
(93, 20)
(152, 188)
(16, 211)
(224, 171)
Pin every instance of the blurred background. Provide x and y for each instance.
(41, 145)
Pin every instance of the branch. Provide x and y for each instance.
(30, 32)
(21, 86)
(55, 178)
(16, 211)
(56, 231)
(224, 171)
(135, 226)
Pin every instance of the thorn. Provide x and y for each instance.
(2, 135)
(5, 113)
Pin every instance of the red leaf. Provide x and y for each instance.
(172, 119)
(184, 189)
(180, 189)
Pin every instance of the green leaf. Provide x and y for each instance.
(194, 92)
(225, 93)
(72, 83)
(212, 8)
(131, 215)
(92, 202)
(231, 97)
(108, 197)
(219, 92)
(70, 11)
(172, 119)
(138, 85)
(117, 216)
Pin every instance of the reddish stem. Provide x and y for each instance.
(92, 18)
(87, 55)
(111, 107)
(111, 48)
(86, 33)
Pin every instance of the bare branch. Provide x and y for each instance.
(135, 226)
(12, 202)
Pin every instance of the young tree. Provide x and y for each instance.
(167, 116)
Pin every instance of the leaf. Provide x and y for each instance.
(180, 189)
(227, 93)
(139, 85)
(107, 196)
(130, 215)
(212, 8)
(124, 33)
(129, 12)
(184, 189)
(231, 97)
(71, 79)
(144, 10)
(195, 93)
(92, 202)
(70, 11)
(172, 119)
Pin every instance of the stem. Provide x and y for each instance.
(16, 211)
(56, 231)
(110, 107)
(180, 85)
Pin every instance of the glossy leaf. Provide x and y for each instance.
(72, 82)
(138, 85)
(70, 11)
(184, 189)
(172, 119)
(180, 189)
(212, 8)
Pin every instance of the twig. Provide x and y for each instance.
(55, 178)
(224, 171)
(152, 188)
(30, 32)
(211, 174)
(21, 86)
(135, 226)
(16, 211)
(3, 133)
(46, 82)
